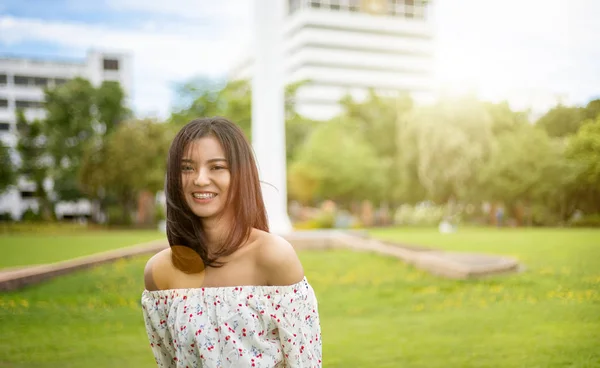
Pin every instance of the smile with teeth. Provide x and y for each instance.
(204, 195)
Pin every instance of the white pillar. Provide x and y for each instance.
(268, 114)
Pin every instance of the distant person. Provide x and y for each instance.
(499, 216)
(226, 293)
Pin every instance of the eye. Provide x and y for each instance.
(218, 167)
(187, 168)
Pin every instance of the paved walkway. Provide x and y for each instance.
(446, 264)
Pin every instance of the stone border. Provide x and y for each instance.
(453, 265)
(16, 278)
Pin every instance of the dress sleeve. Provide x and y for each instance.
(155, 318)
(296, 314)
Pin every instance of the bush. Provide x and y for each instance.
(31, 216)
(6, 217)
(420, 215)
(587, 221)
(321, 221)
(115, 216)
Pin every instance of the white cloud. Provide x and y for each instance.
(162, 53)
(525, 51)
(226, 11)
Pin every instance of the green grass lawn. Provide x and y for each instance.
(28, 249)
(375, 311)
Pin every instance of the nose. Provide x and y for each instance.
(202, 179)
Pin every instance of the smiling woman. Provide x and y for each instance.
(226, 292)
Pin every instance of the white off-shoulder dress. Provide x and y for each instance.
(243, 326)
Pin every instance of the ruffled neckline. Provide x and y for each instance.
(264, 289)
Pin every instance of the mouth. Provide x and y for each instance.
(203, 196)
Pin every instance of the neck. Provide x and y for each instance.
(216, 229)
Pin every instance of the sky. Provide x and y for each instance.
(532, 53)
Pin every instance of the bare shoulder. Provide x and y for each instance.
(157, 270)
(278, 260)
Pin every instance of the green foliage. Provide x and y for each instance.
(7, 168)
(342, 164)
(587, 221)
(584, 147)
(6, 217)
(109, 101)
(77, 114)
(35, 162)
(379, 121)
(561, 121)
(583, 150)
(592, 110)
(209, 98)
(517, 164)
(130, 160)
(31, 216)
(451, 142)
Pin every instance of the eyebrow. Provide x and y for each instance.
(218, 159)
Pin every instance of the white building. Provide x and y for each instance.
(348, 46)
(22, 81)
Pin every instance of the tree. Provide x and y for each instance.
(561, 121)
(447, 145)
(584, 149)
(68, 126)
(337, 164)
(518, 161)
(76, 114)
(34, 160)
(7, 168)
(131, 160)
(109, 101)
(213, 98)
(379, 120)
(592, 109)
(504, 119)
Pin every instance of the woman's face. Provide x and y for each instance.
(205, 177)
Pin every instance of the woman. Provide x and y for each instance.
(226, 293)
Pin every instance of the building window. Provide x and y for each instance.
(111, 64)
(3, 79)
(23, 104)
(21, 80)
(315, 3)
(4, 127)
(59, 81)
(39, 81)
(3, 103)
(27, 194)
(293, 6)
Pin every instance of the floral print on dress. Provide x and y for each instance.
(243, 326)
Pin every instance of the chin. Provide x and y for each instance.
(204, 212)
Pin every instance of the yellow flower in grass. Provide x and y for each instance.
(590, 294)
(24, 303)
(419, 307)
(429, 290)
(496, 288)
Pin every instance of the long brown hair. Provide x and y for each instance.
(184, 228)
